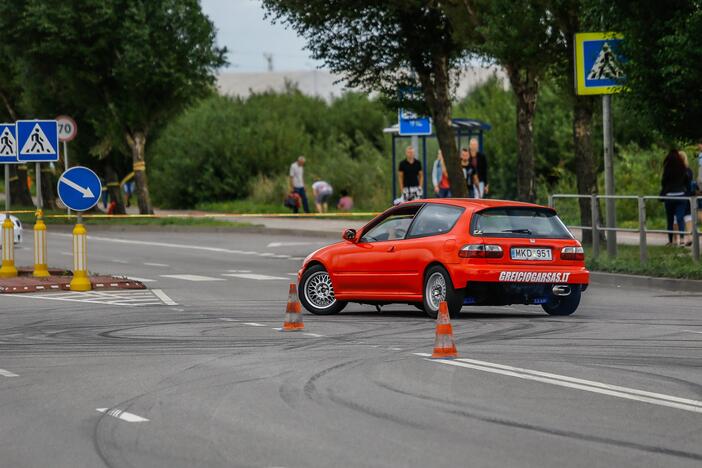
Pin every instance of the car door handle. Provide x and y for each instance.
(391, 248)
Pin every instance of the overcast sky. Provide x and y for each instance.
(243, 30)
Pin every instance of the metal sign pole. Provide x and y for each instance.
(65, 165)
(40, 203)
(7, 187)
(609, 173)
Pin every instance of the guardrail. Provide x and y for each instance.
(596, 228)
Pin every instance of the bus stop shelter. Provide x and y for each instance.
(464, 129)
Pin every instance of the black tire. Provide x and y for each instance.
(453, 297)
(563, 305)
(309, 298)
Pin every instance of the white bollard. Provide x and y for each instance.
(41, 268)
(80, 281)
(8, 269)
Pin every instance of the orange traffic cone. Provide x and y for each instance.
(444, 346)
(293, 312)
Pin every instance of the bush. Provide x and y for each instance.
(227, 148)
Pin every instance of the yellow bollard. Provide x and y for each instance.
(8, 269)
(80, 281)
(41, 269)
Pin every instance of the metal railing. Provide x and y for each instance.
(596, 228)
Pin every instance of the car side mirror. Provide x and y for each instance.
(349, 235)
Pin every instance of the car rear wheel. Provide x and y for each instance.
(563, 305)
(439, 287)
(316, 292)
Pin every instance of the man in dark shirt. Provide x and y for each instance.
(411, 176)
(482, 187)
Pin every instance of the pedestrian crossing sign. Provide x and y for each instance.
(8, 144)
(37, 140)
(598, 63)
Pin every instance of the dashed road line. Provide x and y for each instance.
(253, 324)
(254, 276)
(693, 331)
(239, 271)
(142, 280)
(156, 264)
(193, 277)
(164, 297)
(659, 399)
(315, 335)
(291, 244)
(115, 260)
(123, 415)
(227, 319)
(7, 373)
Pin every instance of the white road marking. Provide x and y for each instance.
(67, 254)
(127, 297)
(291, 244)
(156, 264)
(192, 277)
(165, 244)
(254, 276)
(254, 324)
(142, 280)
(239, 271)
(7, 373)
(314, 335)
(119, 261)
(226, 319)
(693, 331)
(123, 415)
(164, 297)
(267, 254)
(296, 258)
(292, 274)
(659, 399)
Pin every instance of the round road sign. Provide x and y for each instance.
(79, 188)
(67, 128)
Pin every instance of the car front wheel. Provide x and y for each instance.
(316, 292)
(439, 287)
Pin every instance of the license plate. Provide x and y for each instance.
(530, 253)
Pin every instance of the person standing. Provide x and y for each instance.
(411, 176)
(297, 181)
(468, 172)
(322, 190)
(439, 177)
(481, 169)
(674, 184)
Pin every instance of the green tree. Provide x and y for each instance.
(517, 36)
(387, 46)
(664, 61)
(129, 64)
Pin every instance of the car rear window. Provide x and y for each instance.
(519, 222)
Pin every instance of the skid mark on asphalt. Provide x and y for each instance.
(129, 298)
(627, 393)
(123, 415)
(7, 373)
(193, 277)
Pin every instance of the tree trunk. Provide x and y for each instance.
(526, 89)
(114, 190)
(19, 190)
(137, 143)
(48, 187)
(437, 94)
(585, 165)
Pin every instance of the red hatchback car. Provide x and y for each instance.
(463, 251)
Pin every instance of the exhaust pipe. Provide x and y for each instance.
(561, 290)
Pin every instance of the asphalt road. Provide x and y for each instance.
(197, 375)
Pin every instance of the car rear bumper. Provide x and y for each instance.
(463, 274)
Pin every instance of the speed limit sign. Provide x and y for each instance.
(67, 128)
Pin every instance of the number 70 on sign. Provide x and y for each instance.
(67, 128)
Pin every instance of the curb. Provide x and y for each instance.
(648, 282)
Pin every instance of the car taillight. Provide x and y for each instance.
(480, 251)
(572, 253)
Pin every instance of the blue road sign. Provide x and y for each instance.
(598, 63)
(8, 143)
(410, 124)
(37, 140)
(79, 188)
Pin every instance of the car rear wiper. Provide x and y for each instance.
(517, 231)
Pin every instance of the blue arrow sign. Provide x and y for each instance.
(79, 188)
(8, 143)
(37, 140)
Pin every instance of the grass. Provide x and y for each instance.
(668, 262)
(242, 206)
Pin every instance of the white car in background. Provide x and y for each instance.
(17, 225)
